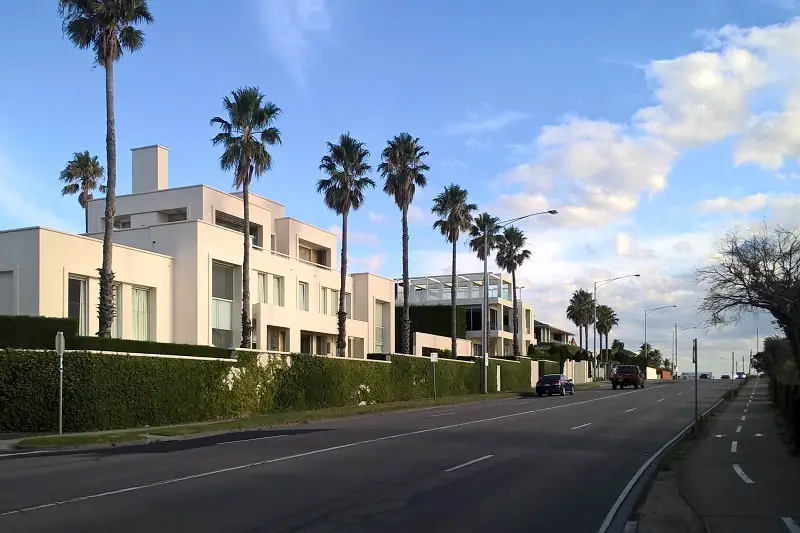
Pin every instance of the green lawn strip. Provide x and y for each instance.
(59, 441)
(304, 417)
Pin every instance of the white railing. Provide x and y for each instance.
(443, 295)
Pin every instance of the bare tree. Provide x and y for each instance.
(755, 272)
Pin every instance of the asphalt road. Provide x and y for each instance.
(555, 463)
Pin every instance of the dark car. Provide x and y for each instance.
(724, 376)
(554, 384)
(628, 376)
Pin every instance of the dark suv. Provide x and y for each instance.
(628, 375)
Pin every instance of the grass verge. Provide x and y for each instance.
(250, 423)
(60, 441)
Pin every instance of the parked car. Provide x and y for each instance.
(554, 384)
(628, 375)
(724, 376)
(705, 376)
(740, 375)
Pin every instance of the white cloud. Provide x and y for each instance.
(376, 218)
(355, 236)
(291, 26)
(746, 204)
(483, 123)
(627, 247)
(371, 263)
(417, 215)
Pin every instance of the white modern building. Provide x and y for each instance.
(435, 290)
(177, 264)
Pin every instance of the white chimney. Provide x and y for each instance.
(150, 168)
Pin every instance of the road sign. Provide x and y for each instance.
(434, 357)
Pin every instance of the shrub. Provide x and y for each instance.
(34, 332)
(549, 367)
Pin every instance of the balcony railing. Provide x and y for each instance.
(443, 295)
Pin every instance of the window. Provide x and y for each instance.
(302, 296)
(334, 302)
(492, 319)
(305, 343)
(474, 319)
(324, 302)
(304, 253)
(76, 303)
(379, 332)
(277, 290)
(221, 305)
(350, 347)
(140, 305)
(7, 306)
(116, 325)
(272, 242)
(262, 288)
(477, 349)
(122, 222)
(528, 321)
(321, 257)
(348, 304)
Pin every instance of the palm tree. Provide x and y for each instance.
(245, 135)
(346, 166)
(82, 176)
(580, 312)
(511, 254)
(606, 320)
(403, 169)
(485, 230)
(108, 27)
(455, 217)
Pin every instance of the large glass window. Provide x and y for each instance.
(302, 296)
(379, 330)
(324, 300)
(116, 325)
(76, 303)
(277, 290)
(334, 301)
(140, 307)
(474, 322)
(262, 288)
(348, 304)
(222, 305)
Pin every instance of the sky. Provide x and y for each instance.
(652, 127)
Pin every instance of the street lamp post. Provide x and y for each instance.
(594, 299)
(646, 312)
(675, 346)
(485, 309)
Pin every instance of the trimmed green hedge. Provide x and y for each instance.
(549, 367)
(160, 348)
(514, 375)
(119, 391)
(34, 332)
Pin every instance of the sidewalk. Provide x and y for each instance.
(740, 478)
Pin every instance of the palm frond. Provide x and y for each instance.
(403, 168)
(454, 212)
(347, 166)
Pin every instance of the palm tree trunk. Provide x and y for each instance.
(105, 310)
(514, 313)
(246, 325)
(453, 304)
(341, 338)
(85, 202)
(405, 321)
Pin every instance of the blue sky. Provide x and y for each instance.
(528, 105)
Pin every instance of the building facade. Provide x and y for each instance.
(178, 274)
(435, 290)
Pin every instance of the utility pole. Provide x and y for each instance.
(694, 360)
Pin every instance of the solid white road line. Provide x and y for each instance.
(741, 474)
(305, 454)
(631, 409)
(734, 446)
(250, 440)
(442, 414)
(738, 429)
(462, 465)
(583, 425)
(791, 524)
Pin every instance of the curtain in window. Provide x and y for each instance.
(140, 306)
(116, 325)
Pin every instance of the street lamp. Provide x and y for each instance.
(675, 346)
(486, 291)
(646, 312)
(594, 297)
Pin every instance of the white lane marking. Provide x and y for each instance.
(743, 418)
(741, 474)
(303, 454)
(791, 524)
(631, 409)
(680, 393)
(462, 465)
(738, 429)
(734, 446)
(583, 425)
(745, 410)
(612, 513)
(442, 414)
(250, 440)
(661, 400)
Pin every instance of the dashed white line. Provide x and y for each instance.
(250, 440)
(583, 425)
(791, 524)
(631, 409)
(745, 410)
(468, 463)
(318, 451)
(741, 474)
(661, 400)
(743, 418)
(734, 446)
(738, 429)
(680, 393)
(442, 414)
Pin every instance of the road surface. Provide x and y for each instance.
(555, 463)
